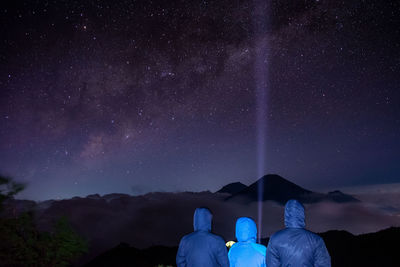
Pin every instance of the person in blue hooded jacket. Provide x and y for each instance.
(202, 248)
(295, 246)
(246, 252)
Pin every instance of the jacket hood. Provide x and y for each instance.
(202, 219)
(246, 230)
(294, 214)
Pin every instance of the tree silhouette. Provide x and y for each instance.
(8, 189)
(22, 244)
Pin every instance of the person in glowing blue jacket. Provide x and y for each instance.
(202, 248)
(295, 246)
(246, 252)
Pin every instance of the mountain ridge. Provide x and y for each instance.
(279, 189)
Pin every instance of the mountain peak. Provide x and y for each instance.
(232, 188)
(277, 180)
(279, 189)
(339, 196)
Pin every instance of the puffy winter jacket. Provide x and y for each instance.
(246, 252)
(295, 246)
(202, 248)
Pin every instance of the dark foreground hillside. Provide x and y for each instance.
(367, 250)
(125, 255)
(372, 250)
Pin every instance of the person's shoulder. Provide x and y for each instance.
(238, 246)
(234, 246)
(314, 235)
(259, 248)
(188, 236)
(215, 237)
(278, 234)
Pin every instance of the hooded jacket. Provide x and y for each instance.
(202, 248)
(295, 246)
(246, 252)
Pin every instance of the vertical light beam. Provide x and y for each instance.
(260, 24)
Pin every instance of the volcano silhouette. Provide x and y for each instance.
(232, 188)
(277, 188)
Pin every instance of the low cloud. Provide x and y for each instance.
(163, 218)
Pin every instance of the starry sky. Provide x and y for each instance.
(139, 96)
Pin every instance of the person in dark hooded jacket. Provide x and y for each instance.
(246, 252)
(295, 246)
(202, 248)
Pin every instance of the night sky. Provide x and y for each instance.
(141, 96)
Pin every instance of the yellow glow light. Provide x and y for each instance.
(229, 244)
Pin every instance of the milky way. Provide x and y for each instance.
(139, 96)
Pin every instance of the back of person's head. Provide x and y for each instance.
(202, 219)
(246, 229)
(294, 214)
